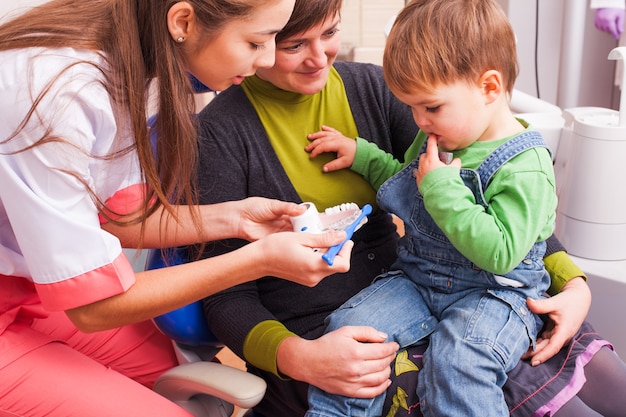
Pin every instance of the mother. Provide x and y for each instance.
(252, 140)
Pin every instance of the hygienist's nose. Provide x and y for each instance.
(267, 58)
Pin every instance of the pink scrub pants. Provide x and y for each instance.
(100, 374)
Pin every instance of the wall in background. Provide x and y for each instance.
(363, 23)
(539, 46)
(596, 72)
(10, 8)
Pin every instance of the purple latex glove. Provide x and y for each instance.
(610, 20)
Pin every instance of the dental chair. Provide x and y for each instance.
(200, 384)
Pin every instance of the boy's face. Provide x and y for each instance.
(456, 114)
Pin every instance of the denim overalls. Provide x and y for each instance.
(482, 323)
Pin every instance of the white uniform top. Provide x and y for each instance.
(49, 226)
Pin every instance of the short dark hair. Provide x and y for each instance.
(308, 14)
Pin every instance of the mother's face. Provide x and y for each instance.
(303, 61)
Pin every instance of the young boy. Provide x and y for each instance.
(474, 229)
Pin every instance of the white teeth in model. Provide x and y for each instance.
(346, 216)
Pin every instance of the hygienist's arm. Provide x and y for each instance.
(249, 219)
(155, 292)
(285, 255)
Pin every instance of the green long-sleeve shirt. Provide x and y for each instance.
(521, 200)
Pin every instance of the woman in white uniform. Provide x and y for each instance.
(79, 181)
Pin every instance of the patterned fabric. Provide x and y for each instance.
(530, 391)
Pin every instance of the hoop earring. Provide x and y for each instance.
(180, 39)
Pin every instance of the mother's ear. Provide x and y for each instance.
(180, 20)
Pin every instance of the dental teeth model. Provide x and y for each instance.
(347, 216)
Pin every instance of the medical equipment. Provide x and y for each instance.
(591, 216)
(329, 256)
(200, 385)
(590, 144)
(347, 217)
(591, 219)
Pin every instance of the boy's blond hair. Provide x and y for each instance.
(438, 42)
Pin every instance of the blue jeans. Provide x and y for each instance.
(475, 338)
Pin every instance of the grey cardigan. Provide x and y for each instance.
(237, 161)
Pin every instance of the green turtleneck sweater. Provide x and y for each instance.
(288, 118)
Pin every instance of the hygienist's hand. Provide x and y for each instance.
(297, 257)
(257, 217)
(332, 140)
(610, 20)
(567, 311)
(250, 219)
(429, 160)
(351, 361)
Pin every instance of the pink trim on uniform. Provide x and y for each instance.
(124, 201)
(98, 374)
(95, 285)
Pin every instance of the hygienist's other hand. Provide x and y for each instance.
(332, 140)
(567, 311)
(257, 217)
(297, 257)
(351, 361)
(610, 20)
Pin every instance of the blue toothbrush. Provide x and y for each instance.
(329, 256)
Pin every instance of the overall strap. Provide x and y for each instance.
(507, 151)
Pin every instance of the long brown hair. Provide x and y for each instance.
(133, 38)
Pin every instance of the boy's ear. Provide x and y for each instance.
(180, 19)
(491, 85)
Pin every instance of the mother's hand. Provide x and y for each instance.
(567, 311)
(351, 361)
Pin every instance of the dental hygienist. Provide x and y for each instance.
(79, 182)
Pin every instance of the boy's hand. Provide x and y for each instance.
(331, 140)
(429, 160)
